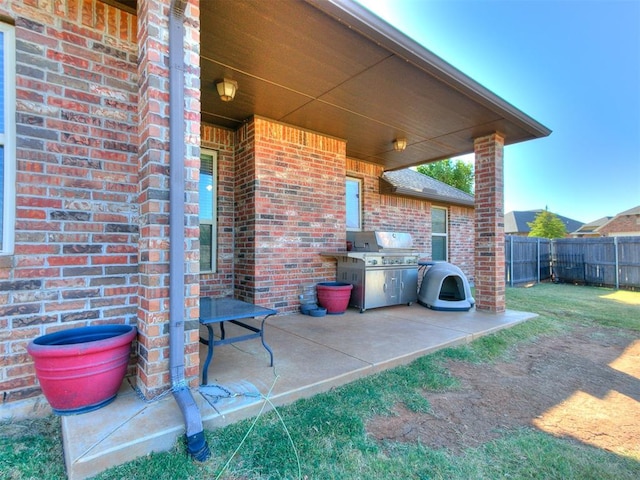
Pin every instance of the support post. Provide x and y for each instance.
(489, 232)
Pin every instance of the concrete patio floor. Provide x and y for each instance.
(311, 355)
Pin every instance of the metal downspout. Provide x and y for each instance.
(195, 438)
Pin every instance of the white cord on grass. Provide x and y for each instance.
(253, 424)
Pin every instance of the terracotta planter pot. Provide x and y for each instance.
(334, 296)
(81, 369)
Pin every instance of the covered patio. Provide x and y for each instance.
(324, 85)
(312, 355)
(324, 89)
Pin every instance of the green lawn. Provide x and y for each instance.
(324, 437)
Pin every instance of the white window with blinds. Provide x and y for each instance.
(208, 210)
(439, 234)
(7, 138)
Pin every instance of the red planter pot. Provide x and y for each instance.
(81, 369)
(334, 296)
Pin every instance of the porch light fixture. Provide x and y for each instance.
(399, 144)
(227, 89)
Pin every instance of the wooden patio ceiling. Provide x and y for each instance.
(333, 67)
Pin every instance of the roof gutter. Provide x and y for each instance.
(371, 26)
(195, 438)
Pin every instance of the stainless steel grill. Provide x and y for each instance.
(382, 267)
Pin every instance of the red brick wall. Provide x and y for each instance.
(244, 221)
(76, 236)
(627, 224)
(462, 239)
(290, 206)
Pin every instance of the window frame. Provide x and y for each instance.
(444, 234)
(357, 181)
(8, 139)
(214, 205)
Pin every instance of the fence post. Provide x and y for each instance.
(511, 261)
(615, 246)
(538, 255)
(553, 260)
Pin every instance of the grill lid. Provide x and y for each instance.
(374, 241)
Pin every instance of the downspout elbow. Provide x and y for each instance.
(195, 438)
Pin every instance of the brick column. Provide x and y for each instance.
(153, 162)
(290, 197)
(489, 235)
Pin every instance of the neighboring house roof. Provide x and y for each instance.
(591, 227)
(516, 222)
(631, 211)
(611, 225)
(411, 183)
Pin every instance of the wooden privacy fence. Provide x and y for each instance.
(528, 259)
(603, 261)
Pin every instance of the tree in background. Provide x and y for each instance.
(547, 225)
(458, 174)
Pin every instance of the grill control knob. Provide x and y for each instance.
(374, 262)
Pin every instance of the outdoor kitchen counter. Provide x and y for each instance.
(220, 310)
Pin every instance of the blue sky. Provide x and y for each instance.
(573, 65)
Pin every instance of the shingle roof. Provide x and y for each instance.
(593, 226)
(415, 184)
(631, 211)
(516, 221)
